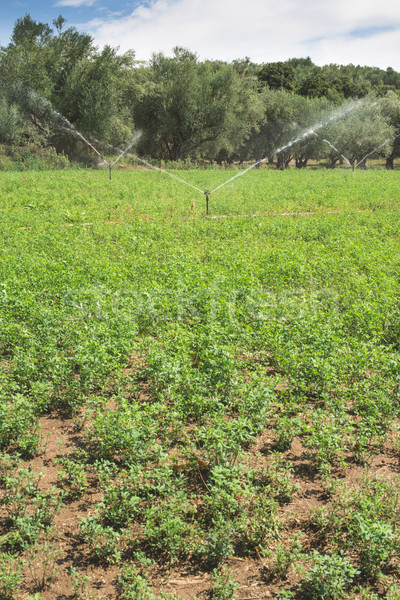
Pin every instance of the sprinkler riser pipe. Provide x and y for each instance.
(207, 193)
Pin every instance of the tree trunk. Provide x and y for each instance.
(280, 163)
(390, 162)
(301, 163)
(283, 161)
(333, 163)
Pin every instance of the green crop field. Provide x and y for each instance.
(197, 407)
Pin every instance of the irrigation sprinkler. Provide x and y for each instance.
(207, 193)
(63, 123)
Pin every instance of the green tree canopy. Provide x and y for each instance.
(360, 133)
(62, 67)
(191, 108)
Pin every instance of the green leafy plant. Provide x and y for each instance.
(223, 584)
(80, 585)
(73, 478)
(10, 576)
(378, 543)
(42, 563)
(133, 586)
(103, 542)
(329, 577)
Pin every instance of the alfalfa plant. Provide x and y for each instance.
(104, 543)
(42, 563)
(283, 556)
(378, 543)
(329, 577)
(10, 576)
(80, 585)
(132, 585)
(223, 584)
(73, 478)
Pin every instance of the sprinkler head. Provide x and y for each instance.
(207, 192)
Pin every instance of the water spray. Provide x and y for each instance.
(133, 141)
(354, 167)
(375, 149)
(336, 150)
(63, 124)
(306, 134)
(147, 164)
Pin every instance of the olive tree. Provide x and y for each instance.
(391, 109)
(190, 109)
(363, 131)
(285, 131)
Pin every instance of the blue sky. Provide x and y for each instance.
(345, 31)
(75, 11)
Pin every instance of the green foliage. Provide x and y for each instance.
(11, 123)
(224, 585)
(56, 85)
(283, 557)
(21, 493)
(277, 76)
(44, 69)
(191, 108)
(73, 477)
(31, 157)
(329, 577)
(103, 542)
(10, 576)
(379, 543)
(217, 373)
(79, 584)
(361, 132)
(133, 586)
(17, 417)
(43, 568)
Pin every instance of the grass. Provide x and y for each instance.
(208, 402)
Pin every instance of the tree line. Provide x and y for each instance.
(54, 82)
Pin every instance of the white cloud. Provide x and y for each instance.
(75, 3)
(264, 30)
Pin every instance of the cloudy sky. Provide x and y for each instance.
(362, 32)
